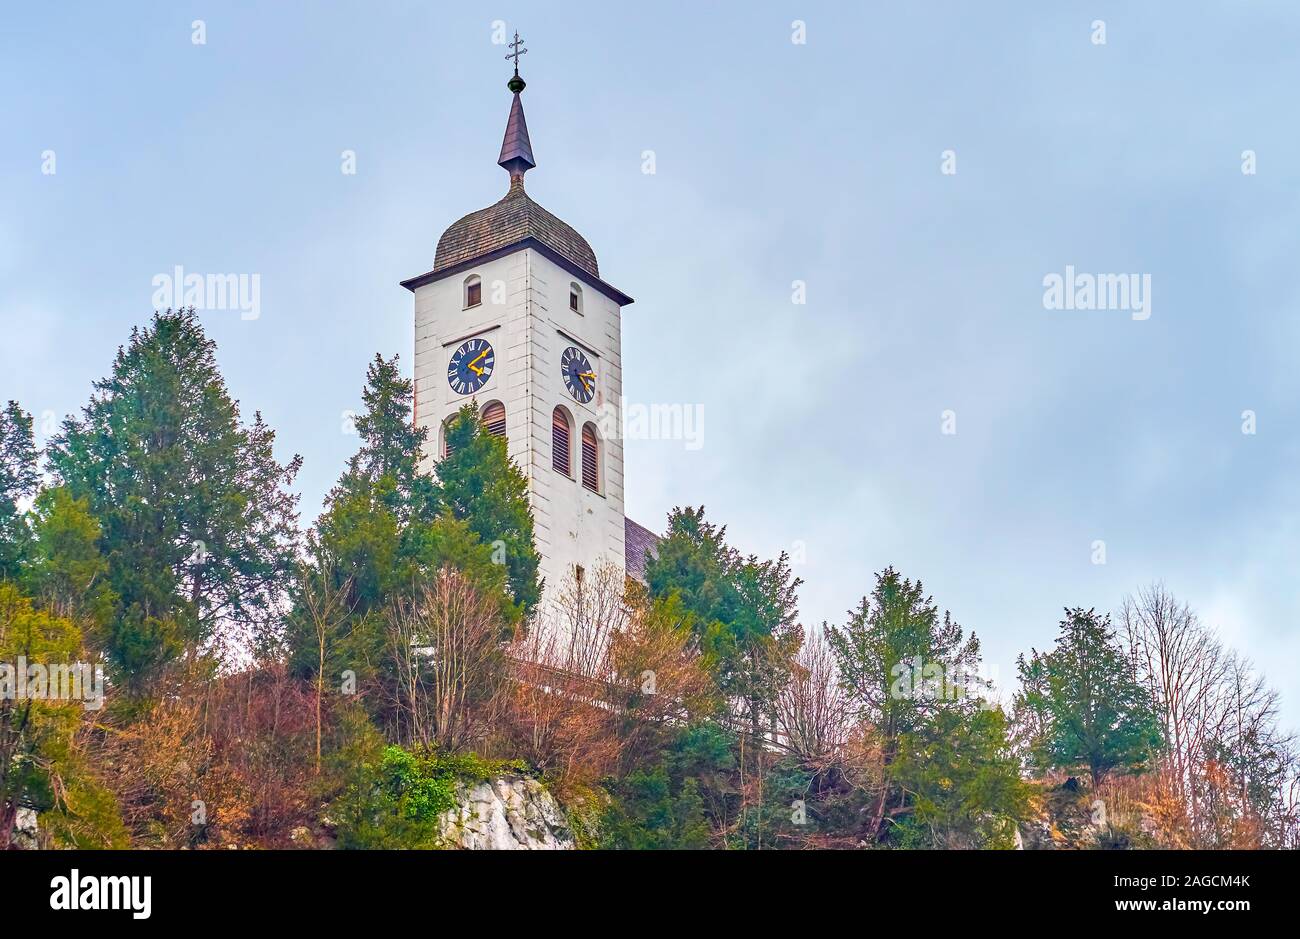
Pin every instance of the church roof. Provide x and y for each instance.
(515, 221)
(637, 542)
(515, 218)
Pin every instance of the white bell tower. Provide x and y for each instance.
(514, 315)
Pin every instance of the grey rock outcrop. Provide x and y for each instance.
(510, 813)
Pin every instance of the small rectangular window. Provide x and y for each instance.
(573, 301)
(474, 294)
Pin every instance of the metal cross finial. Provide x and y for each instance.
(517, 52)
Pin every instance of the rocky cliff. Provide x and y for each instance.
(509, 813)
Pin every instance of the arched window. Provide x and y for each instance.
(575, 297)
(561, 433)
(494, 419)
(473, 290)
(590, 458)
(447, 448)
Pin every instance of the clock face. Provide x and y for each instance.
(579, 376)
(471, 366)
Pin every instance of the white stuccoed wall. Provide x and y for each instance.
(525, 308)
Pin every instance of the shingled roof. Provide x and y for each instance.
(514, 219)
(637, 542)
(515, 222)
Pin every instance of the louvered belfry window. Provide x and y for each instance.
(590, 459)
(494, 419)
(560, 457)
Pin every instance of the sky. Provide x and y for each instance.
(820, 153)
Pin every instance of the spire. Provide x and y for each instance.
(516, 149)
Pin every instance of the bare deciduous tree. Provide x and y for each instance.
(814, 713)
(598, 682)
(449, 666)
(1223, 748)
(326, 605)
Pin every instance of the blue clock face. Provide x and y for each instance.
(471, 366)
(579, 376)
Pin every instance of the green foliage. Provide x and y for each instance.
(914, 679)
(18, 480)
(387, 529)
(787, 814)
(678, 800)
(198, 520)
(695, 561)
(649, 813)
(1083, 696)
(376, 514)
(876, 651)
(395, 798)
(87, 817)
(483, 488)
(36, 733)
(67, 569)
(391, 443)
(964, 782)
(743, 611)
(359, 536)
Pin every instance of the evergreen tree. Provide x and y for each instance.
(18, 480)
(742, 611)
(964, 783)
(376, 516)
(901, 661)
(904, 666)
(387, 529)
(695, 561)
(390, 445)
(35, 733)
(198, 521)
(1098, 715)
(483, 488)
(68, 572)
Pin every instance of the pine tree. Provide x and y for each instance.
(35, 733)
(390, 444)
(68, 572)
(964, 782)
(18, 480)
(905, 668)
(742, 610)
(1100, 717)
(901, 661)
(198, 520)
(483, 488)
(371, 532)
(388, 529)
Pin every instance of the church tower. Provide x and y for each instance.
(514, 315)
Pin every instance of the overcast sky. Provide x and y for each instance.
(774, 162)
